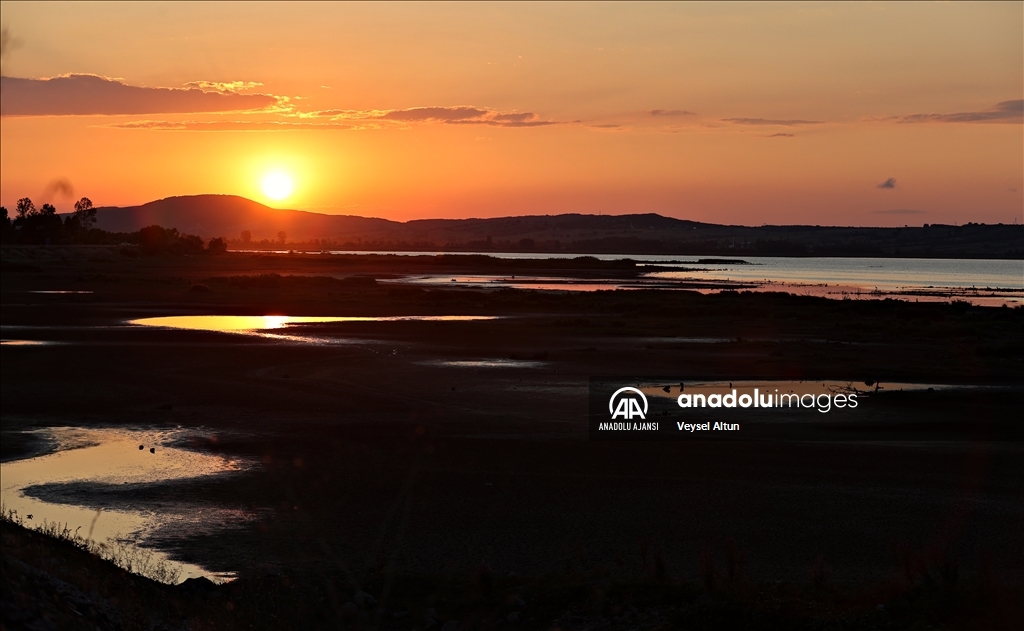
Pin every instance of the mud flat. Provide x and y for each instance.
(425, 445)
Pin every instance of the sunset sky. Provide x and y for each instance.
(831, 114)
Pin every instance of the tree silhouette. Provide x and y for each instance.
(6, 230)
(85, 213)
(246, 236)
(281, 236)
(217, 246)
(26, 208)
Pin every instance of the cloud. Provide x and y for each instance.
(465, 115)
(84, 95)
(780, 135)
(769, 121)
(1002, 112)
(672, 113)
(899, 211)
(271, 125)
(451, 115)
(435, 114)
(890, 183)
(514, 117)
(224, 86)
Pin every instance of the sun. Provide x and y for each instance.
(277, 186)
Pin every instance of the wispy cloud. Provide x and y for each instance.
(450, 115)
(890, 183)
(86, 94)
(224, 86)
(436, 114)
(770, 121)
(780, 135)
(236, 125)
(1002, 112)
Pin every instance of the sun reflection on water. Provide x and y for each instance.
(78, 484)
(242, 324)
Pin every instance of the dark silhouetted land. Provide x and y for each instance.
(432, 486)
(227, 216)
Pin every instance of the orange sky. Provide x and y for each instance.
(730, 113)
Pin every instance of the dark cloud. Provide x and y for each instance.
(672, 113)
(769, 121)
(780, 135)
(83, 95)
(890, 183)
(899, 211)
(1003, 112)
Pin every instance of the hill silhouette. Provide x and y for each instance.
(228, 216)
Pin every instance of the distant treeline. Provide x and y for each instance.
(930, 241)
(43, 226)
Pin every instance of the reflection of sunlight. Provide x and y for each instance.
(274, 322)
(243, 324)
(483, 363)
(56, 487)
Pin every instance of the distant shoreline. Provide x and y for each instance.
(245, 224)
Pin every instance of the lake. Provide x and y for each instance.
(987, 282)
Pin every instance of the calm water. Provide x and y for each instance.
(885, 274)
(982, 282)
(272, 324)
(991, 282)
(971, 272)
(108, 458)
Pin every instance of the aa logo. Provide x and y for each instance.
(627, 403)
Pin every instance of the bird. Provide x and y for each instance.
(152, 450)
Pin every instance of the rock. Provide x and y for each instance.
(514, 618)
(429, 623)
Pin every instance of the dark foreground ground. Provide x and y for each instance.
(476, 492)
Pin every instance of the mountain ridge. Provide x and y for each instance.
(227, 216)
